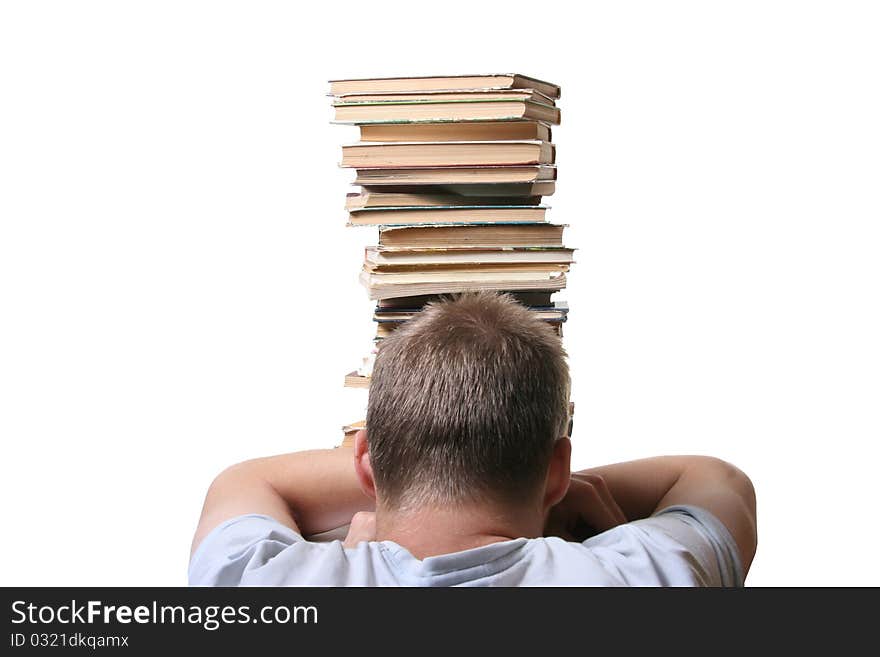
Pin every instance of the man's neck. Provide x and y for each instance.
(429, 532)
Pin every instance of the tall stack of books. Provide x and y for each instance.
(452, 170)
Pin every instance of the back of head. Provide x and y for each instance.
(466, 402)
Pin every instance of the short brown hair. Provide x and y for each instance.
(466, 402)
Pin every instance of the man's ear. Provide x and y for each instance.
(362, 466)
(559, 473)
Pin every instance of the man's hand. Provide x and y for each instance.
(587, 509)
(362, 528)
(644, 487)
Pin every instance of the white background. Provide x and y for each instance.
(178, 291)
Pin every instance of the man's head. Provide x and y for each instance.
(468, 402)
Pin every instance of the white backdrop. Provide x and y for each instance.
(178, 291)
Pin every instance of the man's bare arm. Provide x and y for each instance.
(310, 492)
(646, 486)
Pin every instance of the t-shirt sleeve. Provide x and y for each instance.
(710, 550)
(680, 545)
(237, 546)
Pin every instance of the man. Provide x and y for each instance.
(462, 477)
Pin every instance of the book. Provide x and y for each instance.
(454, 269)
(473, 131)
(350, 429)
(531, 298)
(368, 199)
(557, 312)
(444, 82)
(396, 284)
(355, 380)
(443, 270)
(521, 192)
(482, 175)
(395, 155)
(473, 236)
(373, 257)
(440, 95)
(384, 330)
(449, 110)
(475, 214)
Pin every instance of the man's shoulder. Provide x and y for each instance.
(680, 546)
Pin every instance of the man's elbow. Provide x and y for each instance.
(741, 485)
(735, 478)
(225, 487)
(228, 483)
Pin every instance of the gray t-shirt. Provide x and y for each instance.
(678, 546)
